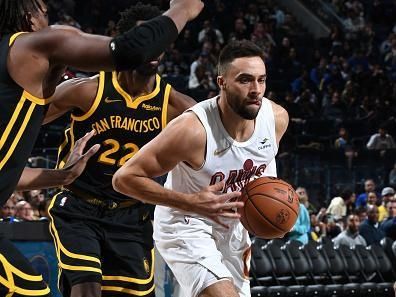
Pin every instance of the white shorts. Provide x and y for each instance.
(200, 252)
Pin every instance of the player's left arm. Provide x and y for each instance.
(178, 103)
(43, 178)
(281, 121)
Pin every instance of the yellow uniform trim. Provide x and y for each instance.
(9, 269)
(134, 280)
(61, 163)
(10, 278)
(134, 102)
(15, 36)
(165, 106)
(18, 136)
(8, 266)
(26, 94)
(96, 101)
(37, 100)
(68, 253)
(128, 291)
(12, 121)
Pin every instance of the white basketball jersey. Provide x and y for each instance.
(226, 159)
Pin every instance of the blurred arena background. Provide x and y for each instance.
(332, 65)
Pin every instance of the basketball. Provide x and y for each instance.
(271, 207)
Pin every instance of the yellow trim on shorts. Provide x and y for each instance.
(138, 281)
(96, 101)
(10, 284)
(165, 106)
(134, 102)
(61, 248)
(18, 135)
(128, 291)
(15, 36)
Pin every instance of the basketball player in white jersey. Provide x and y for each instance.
(211, 151)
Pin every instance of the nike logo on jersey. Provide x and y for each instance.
(108, 100)
(218, 152)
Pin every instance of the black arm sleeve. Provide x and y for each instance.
(143, 43)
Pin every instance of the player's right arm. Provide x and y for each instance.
(62, 45)
(76, 93)
(183, 140)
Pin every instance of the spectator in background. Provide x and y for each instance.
(388, 226)
(369, 186)
(339, 205)
(392, 176)
(43, 210)
(369, 229)
(240, 30)
(387, 194)
(209, 33)
(8, 210)
(381, 141)
(35, 198)
(23, 211)
(302, 226)
(350, 236)
(304, 199)
(201, 71)
(372, 198)
(342, 141)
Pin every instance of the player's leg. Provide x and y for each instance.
(86, 290)
(128, 253)
(17, 276)
(77, 240)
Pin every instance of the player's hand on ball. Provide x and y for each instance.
(212, 204)
(192, 8)
(77, 160)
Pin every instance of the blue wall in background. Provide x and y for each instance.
(43, 258)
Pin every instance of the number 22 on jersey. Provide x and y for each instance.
(113, 146)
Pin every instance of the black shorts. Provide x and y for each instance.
(17, 276)
(97, 244)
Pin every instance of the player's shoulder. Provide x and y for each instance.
(78, 89)
(188, 126)
(278, 110)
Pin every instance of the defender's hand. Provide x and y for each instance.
(77, 161)
(191, 8)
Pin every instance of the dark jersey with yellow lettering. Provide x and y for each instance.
(123, 125)
(21, 115)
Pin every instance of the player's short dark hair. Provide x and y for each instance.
(135, 13)
(13, 15)
(237, 49)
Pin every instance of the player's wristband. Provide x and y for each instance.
(143, 43)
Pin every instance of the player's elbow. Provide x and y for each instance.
(118, 180)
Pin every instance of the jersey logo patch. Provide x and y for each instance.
(63, 201)
(151, 108)
(264, 145)
(108, 100)
(146, 265)
(264, 141)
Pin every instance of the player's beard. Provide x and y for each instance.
(238, 105)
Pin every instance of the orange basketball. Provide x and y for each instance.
(271, 207)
